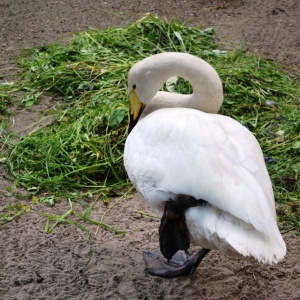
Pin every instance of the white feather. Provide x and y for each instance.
(179, 150)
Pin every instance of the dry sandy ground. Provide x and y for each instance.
(64, 264)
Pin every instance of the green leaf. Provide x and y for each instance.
(171, 83)
(30, 100)
(50, 200)
(116, 117)
(296, 145)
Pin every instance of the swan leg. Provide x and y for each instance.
(173, 231)
(181, 264)
(173, 260)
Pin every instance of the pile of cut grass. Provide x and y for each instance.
(83, 147)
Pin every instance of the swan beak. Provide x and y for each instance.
(136, 109)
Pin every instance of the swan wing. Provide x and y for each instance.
(208, 156)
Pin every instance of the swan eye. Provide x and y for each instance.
(134, 87)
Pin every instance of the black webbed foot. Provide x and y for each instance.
(181, 264)
(169, 261)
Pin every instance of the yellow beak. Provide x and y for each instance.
(136, 109)
(136, 106)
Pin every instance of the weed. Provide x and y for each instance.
(83, 146)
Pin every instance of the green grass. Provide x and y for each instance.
(81, 151)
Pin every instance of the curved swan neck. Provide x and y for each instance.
(207, 93)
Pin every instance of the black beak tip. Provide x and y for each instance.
(132, 123)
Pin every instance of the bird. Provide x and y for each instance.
(201, 172)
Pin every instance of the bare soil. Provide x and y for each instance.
(65, 264)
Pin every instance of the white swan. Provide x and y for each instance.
(178, 145)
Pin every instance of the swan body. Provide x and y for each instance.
(181, 146)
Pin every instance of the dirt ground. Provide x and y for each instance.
(64, 264)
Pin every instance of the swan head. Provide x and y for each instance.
(145, 78)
